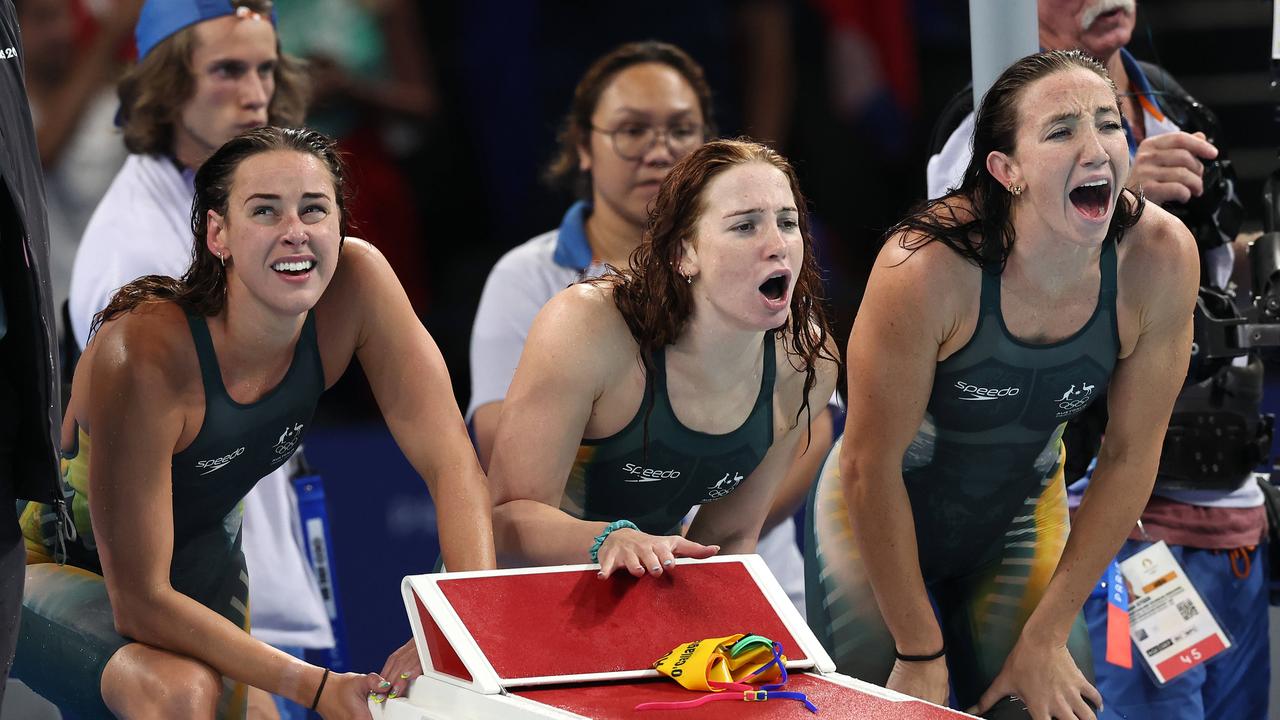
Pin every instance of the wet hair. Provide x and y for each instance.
(575, 129)
(153, 92)
(203, 289)
(996, 129)
(656, 301)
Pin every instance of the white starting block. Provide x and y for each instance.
(558, 642)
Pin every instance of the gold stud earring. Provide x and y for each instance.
(1015, 190)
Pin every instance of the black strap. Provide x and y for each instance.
(920, 658)
(323, 679)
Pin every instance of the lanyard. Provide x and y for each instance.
(750, 693)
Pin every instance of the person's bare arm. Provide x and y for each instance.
(130, 478)
(484, 425)
(734, 522)
(1160, 279)
(893, 352)
(411, 384)
(543, 419)
(811, 450)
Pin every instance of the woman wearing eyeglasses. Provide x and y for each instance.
(636, 111)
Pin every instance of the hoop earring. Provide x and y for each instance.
(223, 258)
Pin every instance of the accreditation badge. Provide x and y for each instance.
(1168, 620)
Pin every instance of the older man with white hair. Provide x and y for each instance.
(1210, 515)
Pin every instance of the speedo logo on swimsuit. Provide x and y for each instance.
(644, 474)
(213, 465)
(977, 392)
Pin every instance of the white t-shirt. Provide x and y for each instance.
(143, 227)
(946, 170)
(524, 280)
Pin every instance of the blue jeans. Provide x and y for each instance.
(1233, 685)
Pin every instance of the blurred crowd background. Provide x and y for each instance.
(449, 111)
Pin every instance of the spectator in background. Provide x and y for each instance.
(373, 91)
(636, 111)
(531, 53)
(71, 82)
(29, 412)
(207, 70)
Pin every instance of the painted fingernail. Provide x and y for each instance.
(404, 676)
(373, 696)
(384, 684)
(600, 575)
(667, 562)
(379, 700)
(656, 568)
(392, 694)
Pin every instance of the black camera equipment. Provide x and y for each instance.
(1217, 434)
(1216, 214)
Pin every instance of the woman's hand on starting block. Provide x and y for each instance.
(928, 681)
(1047, 679)
(401, 668)
(346, 696)
(640, 553)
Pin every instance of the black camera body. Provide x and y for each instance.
(1214, 217)
(1218, 434)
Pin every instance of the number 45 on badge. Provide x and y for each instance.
(1168, 620)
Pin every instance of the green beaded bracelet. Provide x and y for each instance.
(615, 525)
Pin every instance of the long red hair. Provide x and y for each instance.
(654, 298)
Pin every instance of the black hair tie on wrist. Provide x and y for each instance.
(920, 658)
(323, 679)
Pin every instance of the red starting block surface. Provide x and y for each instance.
(561, 643)
(835, 701)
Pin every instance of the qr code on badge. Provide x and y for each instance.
(1187, 609)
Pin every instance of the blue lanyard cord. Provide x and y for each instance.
(776, 688)
(777, 660)
(785, 695)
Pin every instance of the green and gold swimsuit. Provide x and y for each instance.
(68, 629)
(984, 478)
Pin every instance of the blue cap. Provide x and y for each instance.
(161, 18)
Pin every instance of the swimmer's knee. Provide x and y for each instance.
(145, 682)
